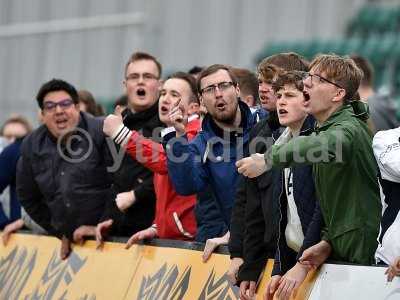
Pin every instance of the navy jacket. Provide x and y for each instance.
(8, 169)
(209, 160)
(307, 208)
(210, 223)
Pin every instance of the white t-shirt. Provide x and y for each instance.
(293, 232)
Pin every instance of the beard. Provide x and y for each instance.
(227, 117)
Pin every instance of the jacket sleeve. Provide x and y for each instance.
(185, 167)
(145, 190)
(238, 220)
(29, 194)
(147, 152)
(254, 251)
(313, 234)
(331, 145)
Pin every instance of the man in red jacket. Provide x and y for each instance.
(174, 217)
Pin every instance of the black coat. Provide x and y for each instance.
(308, 210)
(63, 192)
(132, 175)
(254, 218)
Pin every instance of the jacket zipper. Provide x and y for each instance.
(280, 220)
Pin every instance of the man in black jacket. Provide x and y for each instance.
(62, 179)
(134, 206)
(254, 223)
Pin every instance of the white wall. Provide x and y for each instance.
(40, 39)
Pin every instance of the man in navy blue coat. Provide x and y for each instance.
(209, 159)
(8, 166)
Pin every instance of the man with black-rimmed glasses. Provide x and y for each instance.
(209, 159)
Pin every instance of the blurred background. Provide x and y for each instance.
(87, 42)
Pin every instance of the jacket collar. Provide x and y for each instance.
(308, 125)
(355, 108)
(133, 118)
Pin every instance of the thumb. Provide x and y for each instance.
(131, 241)
(4, 238)
(108, 224)
(239, 163)
(305, 256)
(208, 249)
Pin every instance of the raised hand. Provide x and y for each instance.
(178, 117)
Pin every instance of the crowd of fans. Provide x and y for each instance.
(299, 162)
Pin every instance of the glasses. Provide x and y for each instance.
(50, 106)
(211, 89)
(135, 77)
(321, 79)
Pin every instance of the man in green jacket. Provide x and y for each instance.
(344, 168)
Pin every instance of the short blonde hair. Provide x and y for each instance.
(341, 70)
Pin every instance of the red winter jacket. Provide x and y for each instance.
(174, 217)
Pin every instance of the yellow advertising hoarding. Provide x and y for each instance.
(31, 268)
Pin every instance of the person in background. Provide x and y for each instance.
(120, 105)
(248, 84)
(195, 71)
(14, 128)
(88, 104)
(382, 108)
(14, 218)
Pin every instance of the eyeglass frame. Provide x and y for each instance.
(217, 86)
(61, 103)
(321, 78)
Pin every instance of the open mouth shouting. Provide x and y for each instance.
(141, 92)
(62, 123)
(306, 96)
(264, 99)
(164, 109)
(220, 106)
(282, 112)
